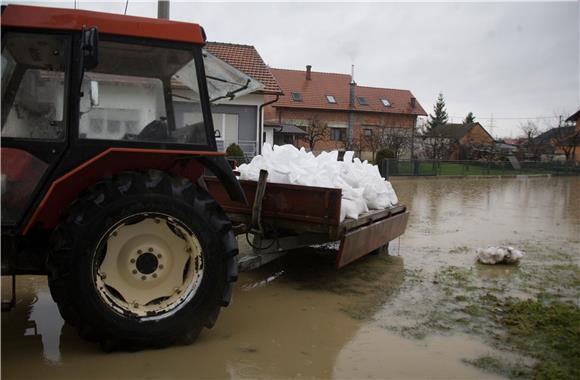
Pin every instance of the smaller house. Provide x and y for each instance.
(560, 143)
(240, 120)
(574, 119)
(463, 141)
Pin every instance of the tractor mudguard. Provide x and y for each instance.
(187, 164)
(220, 166)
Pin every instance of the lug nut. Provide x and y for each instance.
(134, 271)
(154, 275)
(160, 266)
(139, 251)
(159, 255)
(143, 278)
(150, 249)
(132, 261)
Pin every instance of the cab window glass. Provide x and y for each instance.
(33, 86)
(142, 93)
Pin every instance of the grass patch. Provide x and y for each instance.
(547, 332)
(500, 366)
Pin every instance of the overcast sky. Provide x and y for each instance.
(510, 61)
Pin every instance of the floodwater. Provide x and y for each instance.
(300, 318)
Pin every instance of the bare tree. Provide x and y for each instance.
(567, 139)
(369, 140)
(437, 147)
(358, 145)
(316, 131)
(531, 131)
(396, 140)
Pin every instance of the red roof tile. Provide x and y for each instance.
(314, 93)
(246, 59)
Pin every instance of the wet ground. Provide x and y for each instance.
(427, 310)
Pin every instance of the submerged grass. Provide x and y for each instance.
(532, 310)
(501, 366)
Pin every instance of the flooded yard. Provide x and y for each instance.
(426, 310)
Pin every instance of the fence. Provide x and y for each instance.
(390, 167)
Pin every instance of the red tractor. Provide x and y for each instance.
(106, 130)
(110, 176)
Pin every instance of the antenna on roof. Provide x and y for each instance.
(126, 5)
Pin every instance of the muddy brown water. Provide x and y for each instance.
(299, 318)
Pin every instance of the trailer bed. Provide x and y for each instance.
(311, 215)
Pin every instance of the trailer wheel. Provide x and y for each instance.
(382, 250)
(143, 260)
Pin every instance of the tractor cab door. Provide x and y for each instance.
(34, 115)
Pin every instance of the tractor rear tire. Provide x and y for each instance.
(143, 260)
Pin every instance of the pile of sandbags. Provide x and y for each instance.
(362, 186)
(499, 255)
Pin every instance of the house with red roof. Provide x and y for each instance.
(353, 114)
(240, 120)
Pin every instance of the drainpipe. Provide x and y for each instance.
(260, 123)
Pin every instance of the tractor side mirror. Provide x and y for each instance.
(94, 92)
(90, 48)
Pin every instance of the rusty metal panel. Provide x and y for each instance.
(359, 242)
(307, 204)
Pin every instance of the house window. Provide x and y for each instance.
(368, 132)
(330, 99)
(362, 101)
(338, 134)
(386, 102)
(226, 127)
(296, 96)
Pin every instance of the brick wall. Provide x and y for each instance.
(362, 120)
(476, 135)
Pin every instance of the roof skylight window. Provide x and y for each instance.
(362, 101)
(386, 102)
(331, 99)
(296, 96)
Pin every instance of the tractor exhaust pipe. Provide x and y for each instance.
(163, 9)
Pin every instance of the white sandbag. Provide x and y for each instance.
(499, 255)
(362, 186)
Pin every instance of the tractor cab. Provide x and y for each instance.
(72, 89)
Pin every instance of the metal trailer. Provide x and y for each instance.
(283, 217)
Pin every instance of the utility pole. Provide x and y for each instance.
(163, 9)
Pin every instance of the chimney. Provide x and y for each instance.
(308, 67)
(413, 101)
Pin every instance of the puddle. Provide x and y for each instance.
(401, 316)
(376, 353)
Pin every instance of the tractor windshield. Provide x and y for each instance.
(143, 93)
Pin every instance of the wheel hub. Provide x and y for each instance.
(147, 263)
